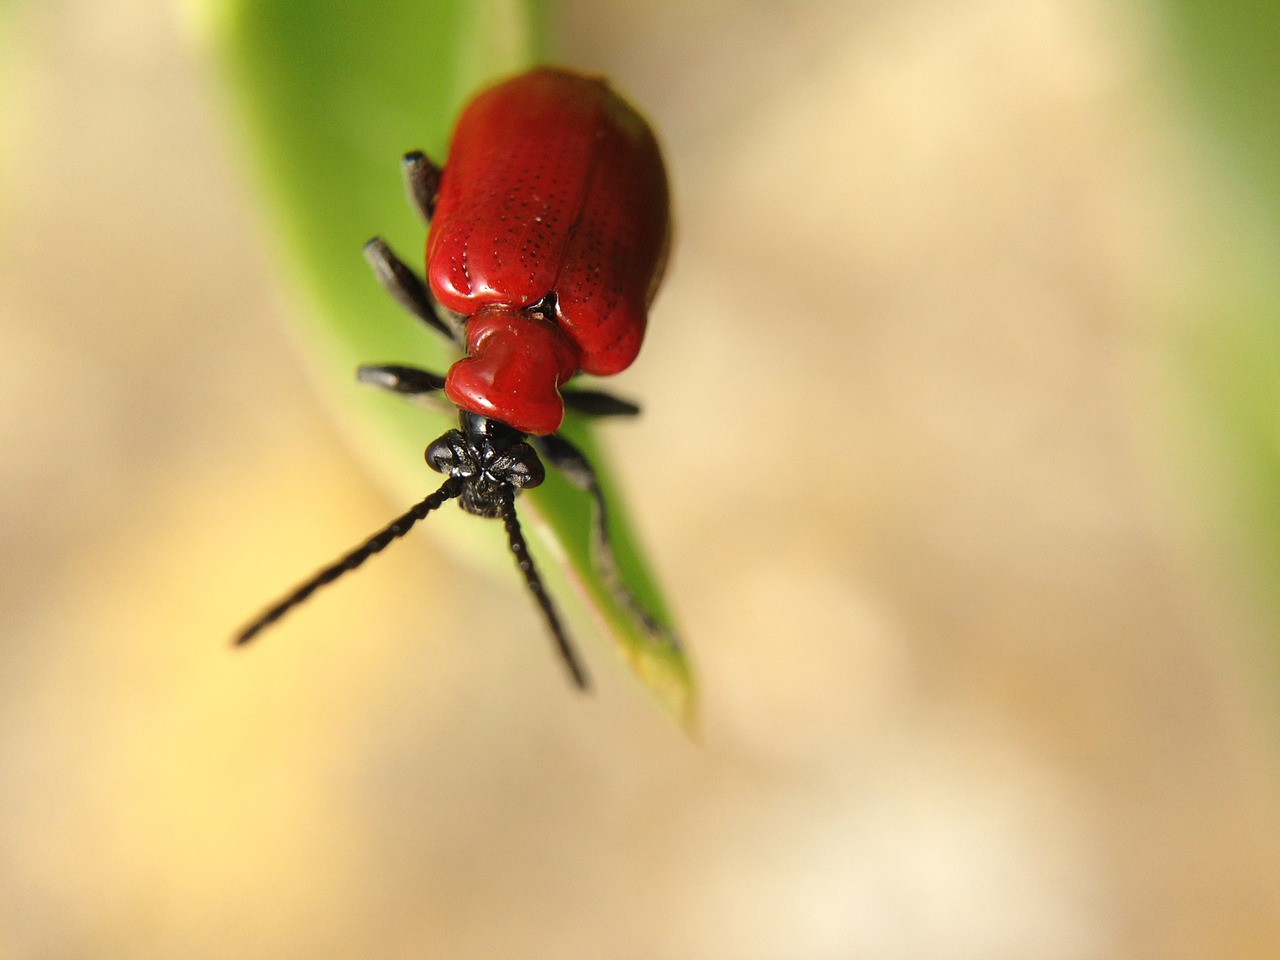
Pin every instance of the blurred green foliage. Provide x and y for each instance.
(1228, 56)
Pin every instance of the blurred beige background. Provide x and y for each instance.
(976, 681)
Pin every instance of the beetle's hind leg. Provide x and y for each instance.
(421, 182)
(407, 288)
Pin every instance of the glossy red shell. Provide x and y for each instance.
(553, 185)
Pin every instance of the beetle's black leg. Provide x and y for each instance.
(407, 381)
(406, 287)
(379, 541)
(570, 461)
(421, 182)
(597, 403)
(525, 562)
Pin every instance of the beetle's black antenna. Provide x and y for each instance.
(525, 562)
(394, 530)
(577, 469)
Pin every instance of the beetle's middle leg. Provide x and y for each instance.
(411, 382)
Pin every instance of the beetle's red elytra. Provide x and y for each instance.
(554, 193)
(549, 230)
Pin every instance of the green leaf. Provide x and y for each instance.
(330, 95)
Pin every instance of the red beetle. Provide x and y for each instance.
(550, 224)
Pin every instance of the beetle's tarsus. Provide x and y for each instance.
(421, 182)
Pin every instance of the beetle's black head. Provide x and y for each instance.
(485, 454)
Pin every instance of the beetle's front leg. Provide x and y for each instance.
(406, 287)
(421, 182)
(407, 381)
(597, 403)
(571, 461)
